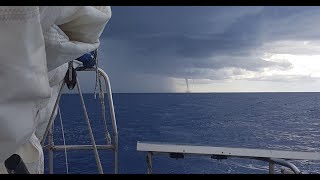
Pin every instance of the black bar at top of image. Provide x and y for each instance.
(164, 2)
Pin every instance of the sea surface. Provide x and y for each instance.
(281, 121)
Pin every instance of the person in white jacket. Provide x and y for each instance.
(36, 44)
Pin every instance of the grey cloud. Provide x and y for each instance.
(185, 37)
(284, 78)
(291, 23)
(201, 42)
(296, 47)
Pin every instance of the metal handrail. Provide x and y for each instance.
(95, 150)
(287, 164)
(113, 146)
(178, 151)
(113, 118)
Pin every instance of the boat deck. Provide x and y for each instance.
(226, 151)
(178, 151)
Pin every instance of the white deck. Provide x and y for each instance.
(236, 152)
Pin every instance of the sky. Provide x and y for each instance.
(218, 49)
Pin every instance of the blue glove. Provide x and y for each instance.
(87, 60)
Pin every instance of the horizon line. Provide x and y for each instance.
(202, 92)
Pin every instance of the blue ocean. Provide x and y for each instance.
(282, 121)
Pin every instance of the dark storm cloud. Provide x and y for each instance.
(198, 42)
(186, 31)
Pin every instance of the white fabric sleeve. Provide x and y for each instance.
(71, 31)
(32, 39)
(23, 75)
